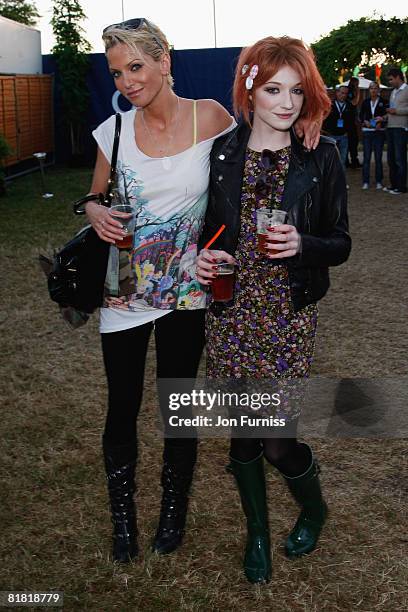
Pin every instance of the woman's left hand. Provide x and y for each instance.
(309, 131)
(283, 240)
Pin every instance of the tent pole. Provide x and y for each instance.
(215, 25)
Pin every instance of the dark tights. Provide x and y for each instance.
(179, 340)
(286, 454)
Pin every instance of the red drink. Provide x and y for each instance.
(125, 214)
(266, 218)
(262, 240)
(262, 243)
(222, 286)
(126, 243)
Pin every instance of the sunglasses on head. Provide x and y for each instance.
(130, 24)
(133, 24)
(264, 182)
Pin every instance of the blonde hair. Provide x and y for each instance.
(147, 38)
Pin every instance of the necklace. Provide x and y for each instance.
(166, 161)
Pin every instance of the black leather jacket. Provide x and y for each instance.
(315, 199)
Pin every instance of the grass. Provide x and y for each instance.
(53, 511)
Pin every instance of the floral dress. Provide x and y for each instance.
(260, 335)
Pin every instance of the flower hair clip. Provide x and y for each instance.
(244, 69)
(252, 74)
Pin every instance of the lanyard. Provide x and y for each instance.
(373, 107)
(340, 108)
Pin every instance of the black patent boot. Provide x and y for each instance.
(176, 481)
(120, 463)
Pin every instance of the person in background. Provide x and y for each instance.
(354, 97)
(267, 334)
(339, 120)
(373, 117)
(397, 127)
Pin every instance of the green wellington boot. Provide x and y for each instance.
(250, 478)
(307, 492)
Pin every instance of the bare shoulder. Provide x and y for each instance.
(213, 118)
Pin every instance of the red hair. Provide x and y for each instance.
(270, 55)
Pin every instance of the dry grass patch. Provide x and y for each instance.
(53, 512)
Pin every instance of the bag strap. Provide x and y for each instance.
(112, 177)
(105, 200)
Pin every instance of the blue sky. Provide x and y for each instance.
(189, 24)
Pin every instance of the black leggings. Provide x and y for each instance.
(179, 340)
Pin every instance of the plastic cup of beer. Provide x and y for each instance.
(222, 286)
(265, 217)
(125, 214)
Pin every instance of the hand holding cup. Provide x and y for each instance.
(282, 241)
(125, 215)
(108, 229)
(207, 262)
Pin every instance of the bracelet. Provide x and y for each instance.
(79, 205)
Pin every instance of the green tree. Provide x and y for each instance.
(19, 10)
(71, 53)
(361, 43)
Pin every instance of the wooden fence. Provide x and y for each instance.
(26, 115)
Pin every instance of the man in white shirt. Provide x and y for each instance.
(397, 133)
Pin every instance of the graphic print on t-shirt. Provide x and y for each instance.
(159, 271)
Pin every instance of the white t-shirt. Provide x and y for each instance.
(170, 197)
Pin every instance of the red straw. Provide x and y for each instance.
(214, 238)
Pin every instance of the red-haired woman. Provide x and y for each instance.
(268, 331)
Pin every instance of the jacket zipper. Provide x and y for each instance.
(308, 208)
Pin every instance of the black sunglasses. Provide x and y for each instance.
(134, 24)
(264, 182)
(130, 24)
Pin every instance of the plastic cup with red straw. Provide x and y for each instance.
(214, 238)
(222, 286)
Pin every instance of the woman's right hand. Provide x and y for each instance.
(206, 263)
(107, 228)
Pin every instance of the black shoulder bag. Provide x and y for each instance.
(76, 275)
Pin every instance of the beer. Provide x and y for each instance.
(266, 218)
(125, 214)
(126, 243)
(262, 240)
